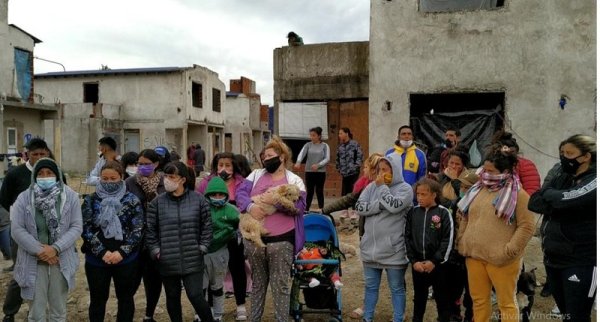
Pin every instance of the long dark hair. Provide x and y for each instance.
(181, 169)
(347, 131)
(502, 160)
(243, 164)
(224, 155)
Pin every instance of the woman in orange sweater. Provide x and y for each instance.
(493, 233)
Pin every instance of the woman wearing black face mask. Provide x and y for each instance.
(271, 265)
(225, 166)
(568, 203)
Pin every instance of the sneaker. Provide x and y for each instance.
(555, 312)
(9, 318)
(430, 293)
(240, 314)
(228, 295)
(197, 319)
(545, 290)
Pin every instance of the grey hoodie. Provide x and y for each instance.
(385, 209)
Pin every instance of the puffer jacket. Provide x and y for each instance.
(569, 225)
(178, 232)
(384, 208)
(529, 175)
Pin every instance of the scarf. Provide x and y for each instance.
(411, 162)
(45, 201)
(108, 219)
(507, 185)
(149, 186)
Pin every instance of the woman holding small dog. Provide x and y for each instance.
(271, 264)
(494, 229)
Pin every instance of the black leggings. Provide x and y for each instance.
(348, 184)
(98, 279)
(237, 268)
(315, 180)
(148, 270)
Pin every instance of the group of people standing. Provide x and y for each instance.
(149, 221)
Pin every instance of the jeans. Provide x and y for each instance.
(574, 290)
(193, 288)
(397, 288)
(99, 277)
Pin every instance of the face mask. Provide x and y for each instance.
(99, 153)
(46, 183)
(131, 171)
(491, 180)
(406, 144)
(170, 186)
(272, 164)
(217, 202)
(448, 143)
(146, 170)
(461, 194)
(569, 166)
(224, 175)
(111, 187)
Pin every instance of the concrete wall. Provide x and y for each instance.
(158, 106)
(321, 71)
(6, 52)
(237, 120)
(534, 51)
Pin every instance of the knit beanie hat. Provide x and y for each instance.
(45, 163)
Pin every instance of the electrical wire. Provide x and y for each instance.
(522, 139)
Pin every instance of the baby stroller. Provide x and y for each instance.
(324, 298)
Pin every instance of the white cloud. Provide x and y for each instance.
(232, 37)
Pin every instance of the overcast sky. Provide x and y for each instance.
(231, 37)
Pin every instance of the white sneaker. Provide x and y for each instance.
(555, 312)
(240, 314)
(337, 285)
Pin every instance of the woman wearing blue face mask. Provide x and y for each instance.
(146, 184)
(113, 224)
(568, 204)
(46, 225)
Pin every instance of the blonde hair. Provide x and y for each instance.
(281, 149)
(371, 163)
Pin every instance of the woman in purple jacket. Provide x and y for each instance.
(272, 263)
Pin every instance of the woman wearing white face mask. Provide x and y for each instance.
(146, 184)
(178, 233)
(112, 232)
(129, 162)
(46, 224)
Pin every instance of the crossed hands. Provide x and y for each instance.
(424, 266)
(112, 258)
(48, 254)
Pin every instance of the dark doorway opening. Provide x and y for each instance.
(476, 115)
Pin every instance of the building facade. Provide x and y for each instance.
(246, 120)
(141, 108)
(22, 114)
(324, 85)
(512, 61)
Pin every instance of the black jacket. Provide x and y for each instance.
(569, 225)
(180, 230)
(426, 238)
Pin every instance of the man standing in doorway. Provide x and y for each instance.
(107, 151)
(414, 162)
(16, 181)
(199, 159)
(438, 159)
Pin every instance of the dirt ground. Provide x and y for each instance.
(352, 291)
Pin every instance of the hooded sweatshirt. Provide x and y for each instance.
(384, 209)
(225, 219)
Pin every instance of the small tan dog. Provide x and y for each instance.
(284, 195)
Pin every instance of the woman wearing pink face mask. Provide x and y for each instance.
(146, 185)
(494, 229)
